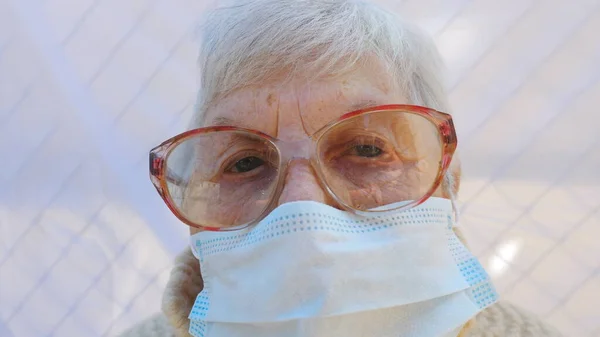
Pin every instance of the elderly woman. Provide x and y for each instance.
(318, 182)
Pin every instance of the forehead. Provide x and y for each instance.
(300, 107)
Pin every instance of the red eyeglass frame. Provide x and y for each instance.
(443, 121)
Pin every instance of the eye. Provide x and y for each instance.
(368, 151)
(246, 164)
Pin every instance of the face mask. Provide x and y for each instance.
(309, 269)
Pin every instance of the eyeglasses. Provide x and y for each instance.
(380, 159)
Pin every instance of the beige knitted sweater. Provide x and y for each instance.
(499, 320)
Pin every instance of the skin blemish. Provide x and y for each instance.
(270, 99)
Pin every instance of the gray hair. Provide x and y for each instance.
(250, 42)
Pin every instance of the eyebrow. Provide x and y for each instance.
(363, 104)
(222, 121)
(369, 103)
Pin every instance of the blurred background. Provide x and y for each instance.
(87, 87)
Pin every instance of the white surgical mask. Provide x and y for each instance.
(311, 270)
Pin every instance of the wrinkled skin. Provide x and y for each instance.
(294, 111)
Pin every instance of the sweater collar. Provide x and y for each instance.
(185, 283)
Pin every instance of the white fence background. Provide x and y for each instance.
(88, 86)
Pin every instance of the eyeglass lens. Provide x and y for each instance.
(375, 160)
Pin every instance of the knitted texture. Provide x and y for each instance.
(499, 320)
(183, 287)
(155, 326)
(505, 319)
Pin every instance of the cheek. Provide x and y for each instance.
(441, 193)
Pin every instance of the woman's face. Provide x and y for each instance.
(294, 111)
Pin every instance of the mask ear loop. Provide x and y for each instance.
(449, 183)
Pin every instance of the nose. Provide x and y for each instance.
(301, 183)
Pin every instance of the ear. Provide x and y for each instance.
(450, 187)
(455, 172)
(450, 184)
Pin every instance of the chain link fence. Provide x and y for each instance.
(87, 87)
